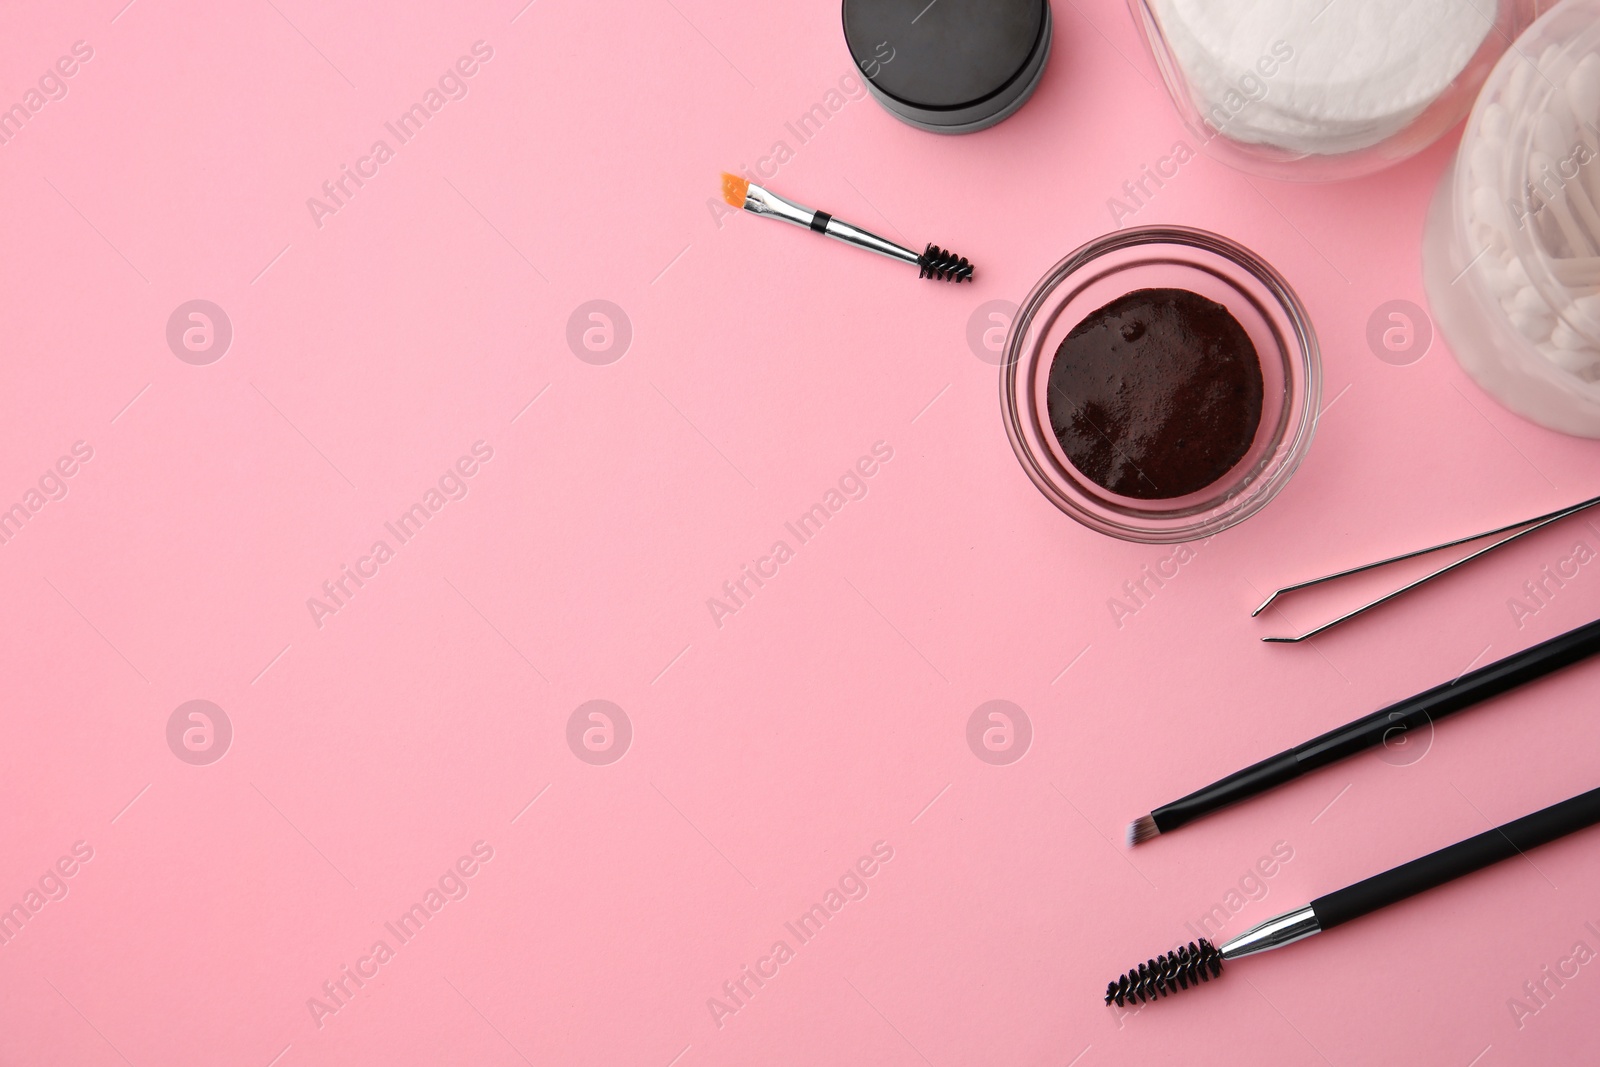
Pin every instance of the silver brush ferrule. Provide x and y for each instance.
(765, 202)
(1285, 929)
(855, 235)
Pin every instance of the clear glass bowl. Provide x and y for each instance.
(1511, 256)
(1164, 258)
(1322, 92)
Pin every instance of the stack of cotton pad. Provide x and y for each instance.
(1356, 73)
(1556, 196)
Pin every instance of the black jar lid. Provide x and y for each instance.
(951, 66)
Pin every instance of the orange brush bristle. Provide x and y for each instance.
(734, 189)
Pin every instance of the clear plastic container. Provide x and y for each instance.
(1511, 257)
(1312, 90)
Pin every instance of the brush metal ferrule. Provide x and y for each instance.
(761, 201)
(765, 202)
(1285, 929)
(855, 235)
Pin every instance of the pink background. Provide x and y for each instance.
(830, 713)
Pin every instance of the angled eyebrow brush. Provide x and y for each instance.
(1369, 731)
(932, 262)
(1194, 963)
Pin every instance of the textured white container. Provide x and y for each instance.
(1511, 256)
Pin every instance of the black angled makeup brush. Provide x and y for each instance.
(1194, 963)
(1369, 731)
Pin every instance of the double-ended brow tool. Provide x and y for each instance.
(1194, 963)
(932, 262)
(1383, 725)
(1523, 529)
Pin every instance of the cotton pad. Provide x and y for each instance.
(1356, 73)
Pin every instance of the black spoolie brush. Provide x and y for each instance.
(932, 262)
(1184, 966)
(1194, 963)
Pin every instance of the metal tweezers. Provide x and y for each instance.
(1523, 528)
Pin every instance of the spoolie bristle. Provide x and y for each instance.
(945, 266)
(1187, 965)
(1141, 830)
(734, 189)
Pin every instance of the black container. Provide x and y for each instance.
(950, 66)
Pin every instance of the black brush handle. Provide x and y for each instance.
(1463, 857)
(1393, 721)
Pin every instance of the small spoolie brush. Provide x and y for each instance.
(1191, 964)
(933, 262)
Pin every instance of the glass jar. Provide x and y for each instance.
(1313, 90)
(1164, 257)
(1511, 256)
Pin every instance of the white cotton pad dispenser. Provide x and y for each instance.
(1511, 257)
(1315, 91)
